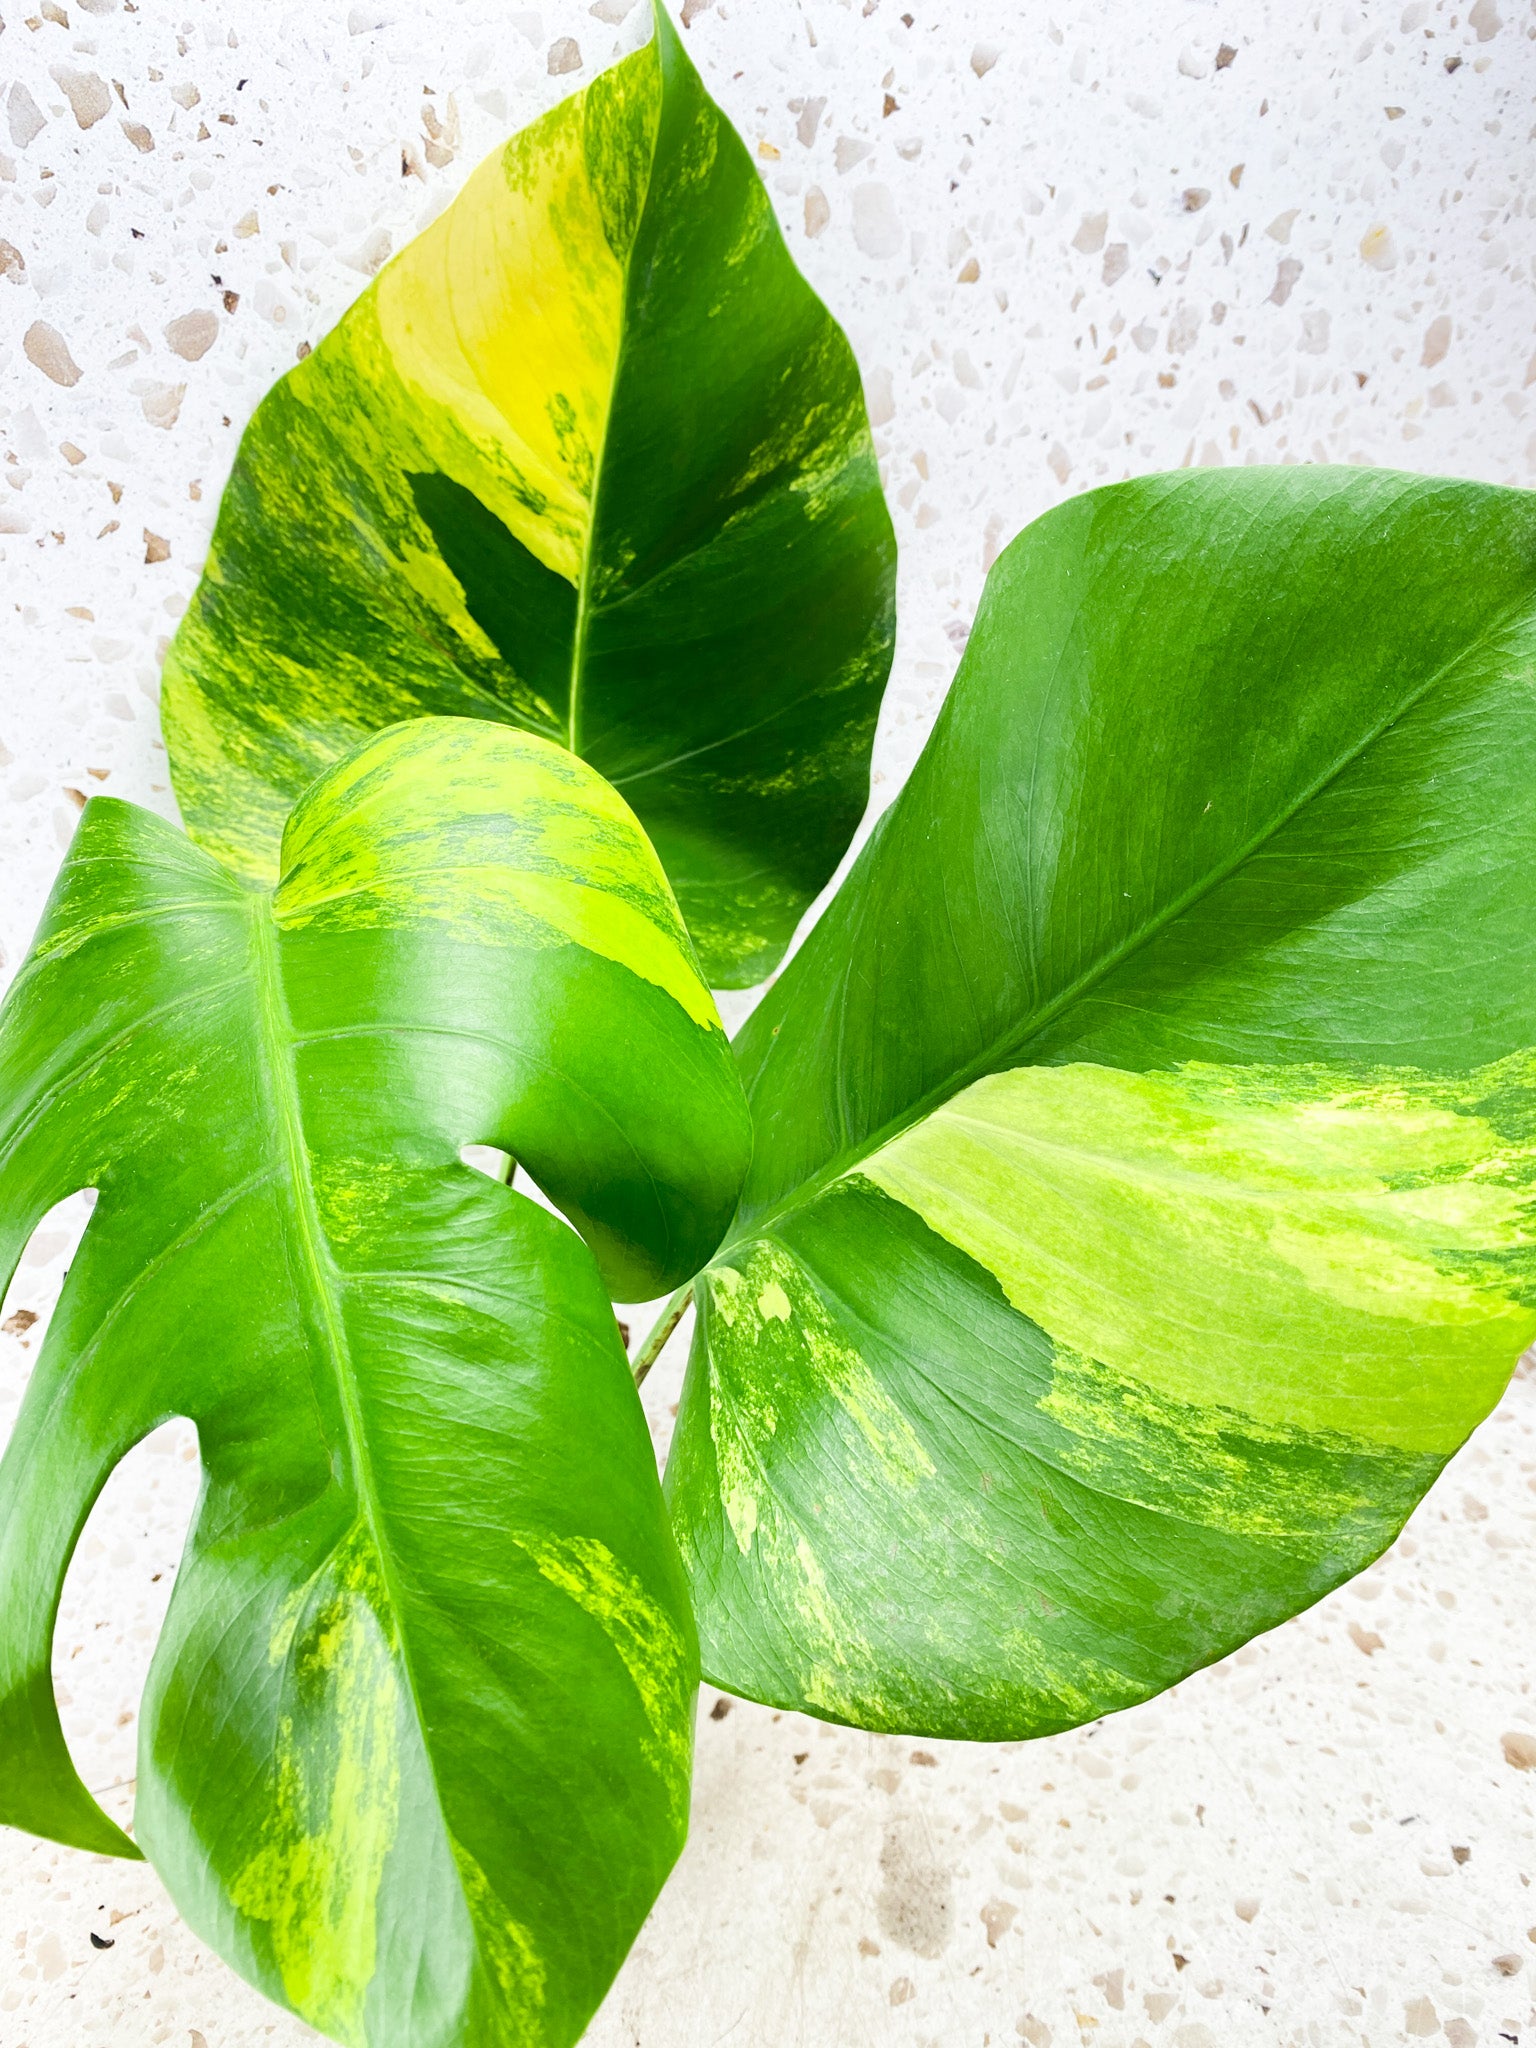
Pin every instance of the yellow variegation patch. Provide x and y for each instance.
(553, 851)
(334, 1808)
(1307, 1247)
(658, 1660)
(503, 321)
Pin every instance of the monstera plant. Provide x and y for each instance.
(1101, 1235)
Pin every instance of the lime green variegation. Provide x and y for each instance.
(416, 1743)
(544, 848)
(1144, 1198)
(589, 458)
(1247, 1222)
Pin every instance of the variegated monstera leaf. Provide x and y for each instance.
(590, 458)
(1144, 1201)
(416, 1744)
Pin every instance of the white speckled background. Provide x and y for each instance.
(1068, 248)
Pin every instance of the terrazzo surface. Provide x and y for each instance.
(1067, 248)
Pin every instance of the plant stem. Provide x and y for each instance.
(653, 1346)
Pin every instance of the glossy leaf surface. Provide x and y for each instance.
(416, 1742)
(1142, 1205)
(590, 458)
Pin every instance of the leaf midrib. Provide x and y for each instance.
(1004, 1049)
(584, 605)
(279, 1045)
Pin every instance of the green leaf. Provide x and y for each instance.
(1142, 1208)
(416, 1742)
(590, 458)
